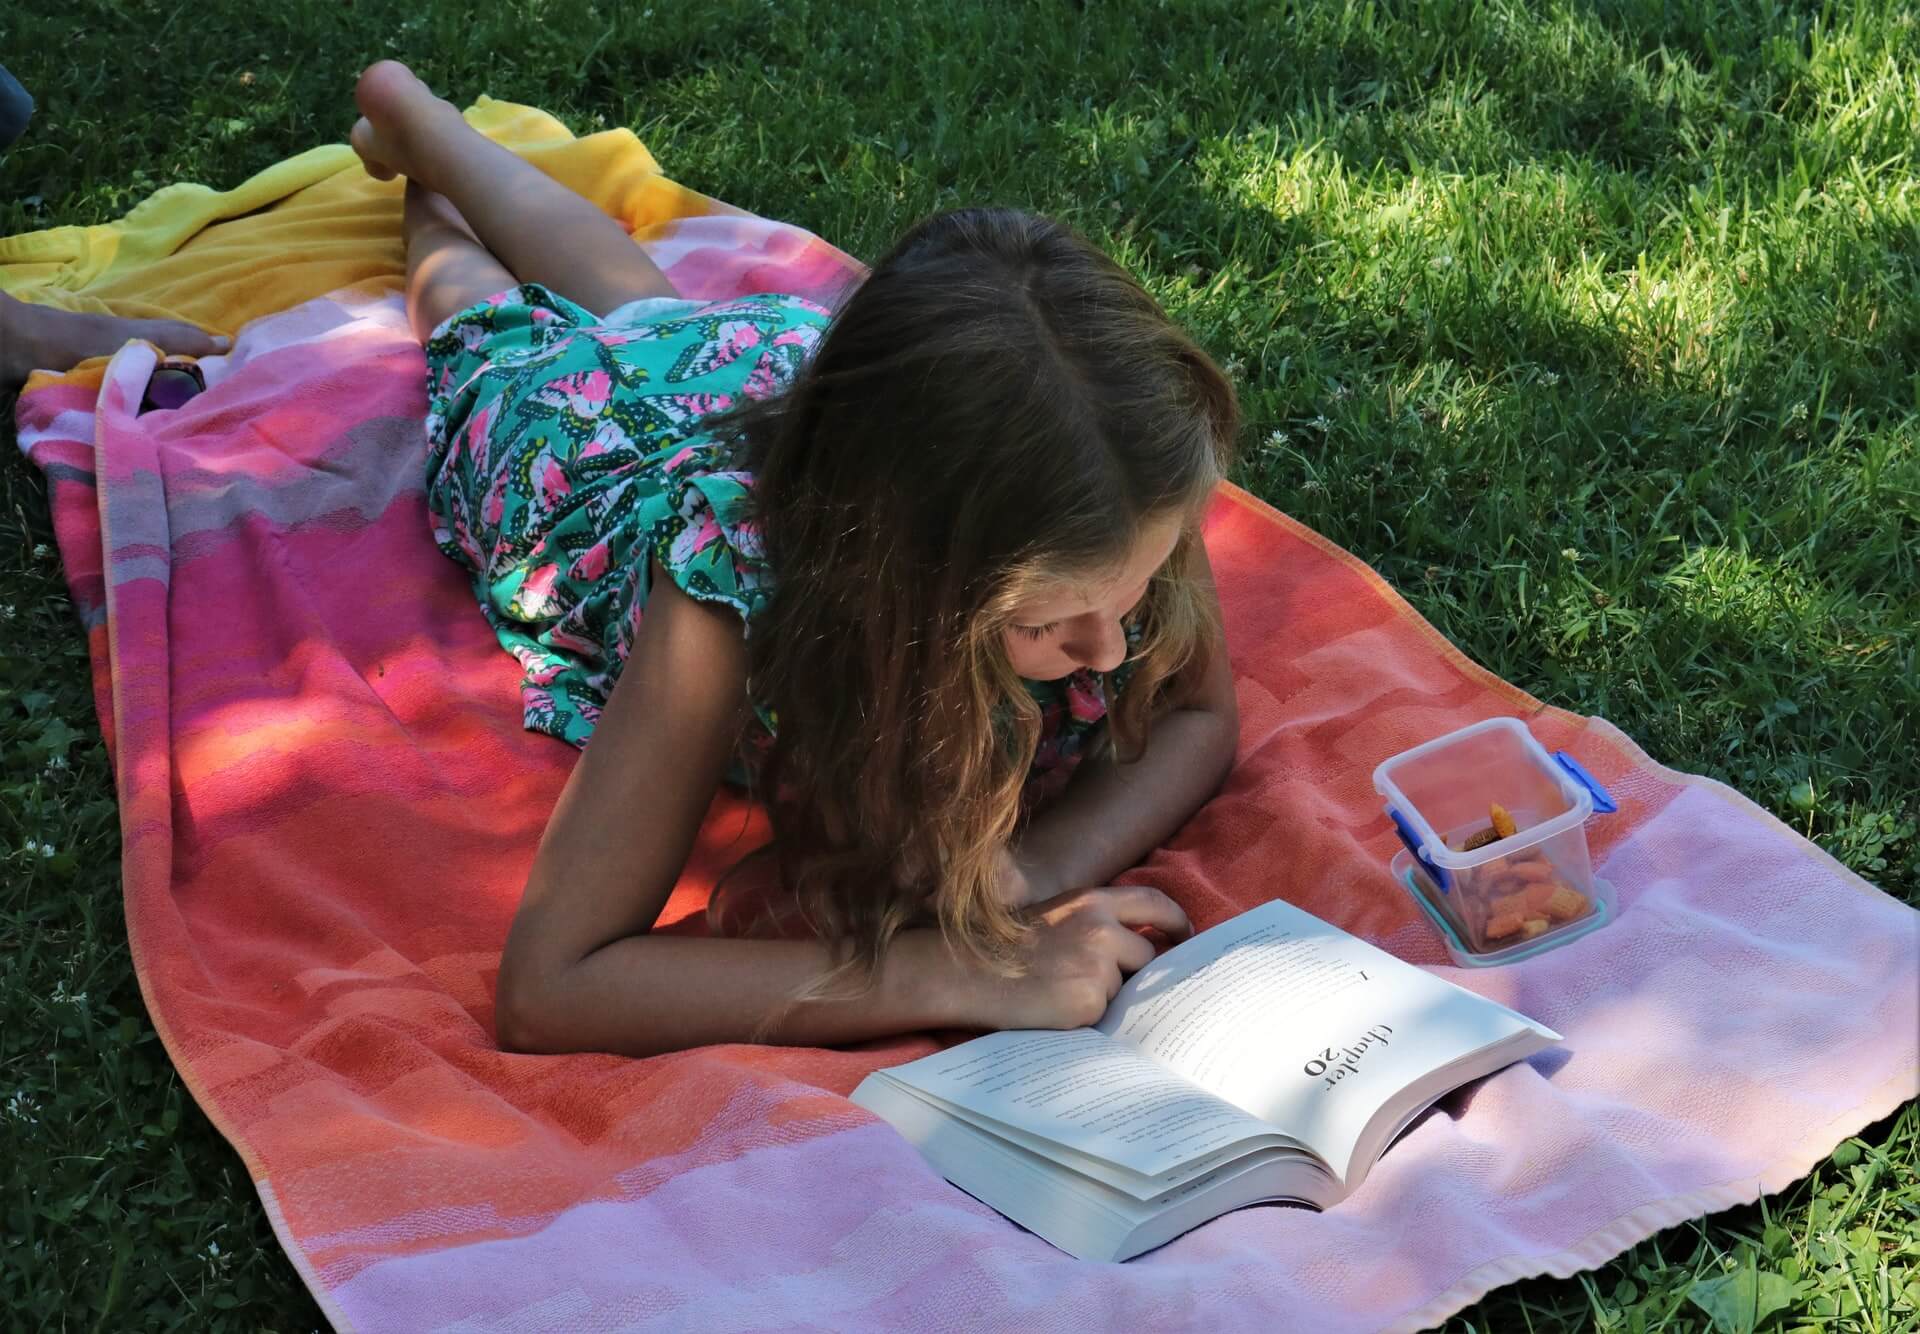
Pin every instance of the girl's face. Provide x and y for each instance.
(1077, 623)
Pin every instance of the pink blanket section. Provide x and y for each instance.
(303, 697)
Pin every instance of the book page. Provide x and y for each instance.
(1301, 1024)
(1082, 1090)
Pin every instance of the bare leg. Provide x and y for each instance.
(447, 267)
(42, 338)
(538, 228)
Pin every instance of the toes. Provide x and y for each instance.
(363, 140)
(369, 91)
(383, 86)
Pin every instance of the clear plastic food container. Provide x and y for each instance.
(1496, 841)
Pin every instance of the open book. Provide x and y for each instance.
(1273, 1057)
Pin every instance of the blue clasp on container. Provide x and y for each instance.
(1439, 874)
(1603, 801)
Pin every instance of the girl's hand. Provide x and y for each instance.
(1082, 946)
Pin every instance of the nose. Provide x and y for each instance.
(1104, 647)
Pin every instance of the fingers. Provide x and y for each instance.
(180, 339)
(1132, 951)
(1143, 905)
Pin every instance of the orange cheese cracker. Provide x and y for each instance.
(1566, 904)
(1515, 904)
(1505, 924)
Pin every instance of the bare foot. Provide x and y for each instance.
(41, 338)
(396, 110)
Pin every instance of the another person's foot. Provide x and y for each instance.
(42, 338)
(396, 111)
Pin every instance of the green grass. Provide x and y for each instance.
(1593, 325)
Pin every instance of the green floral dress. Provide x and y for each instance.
(564, 451)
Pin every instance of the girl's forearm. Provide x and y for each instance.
(644, 995)
(1112, 815)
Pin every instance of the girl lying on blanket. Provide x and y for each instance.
(907, 569)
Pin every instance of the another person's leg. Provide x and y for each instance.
(539, 229)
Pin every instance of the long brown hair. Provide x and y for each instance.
(999, 405)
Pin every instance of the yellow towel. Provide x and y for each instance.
(303, 227)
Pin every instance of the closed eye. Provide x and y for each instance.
(1037, 631)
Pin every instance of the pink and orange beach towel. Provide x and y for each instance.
(328, 808)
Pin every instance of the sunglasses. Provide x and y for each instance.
(171, 385)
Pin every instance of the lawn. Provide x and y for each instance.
(1594, 325)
